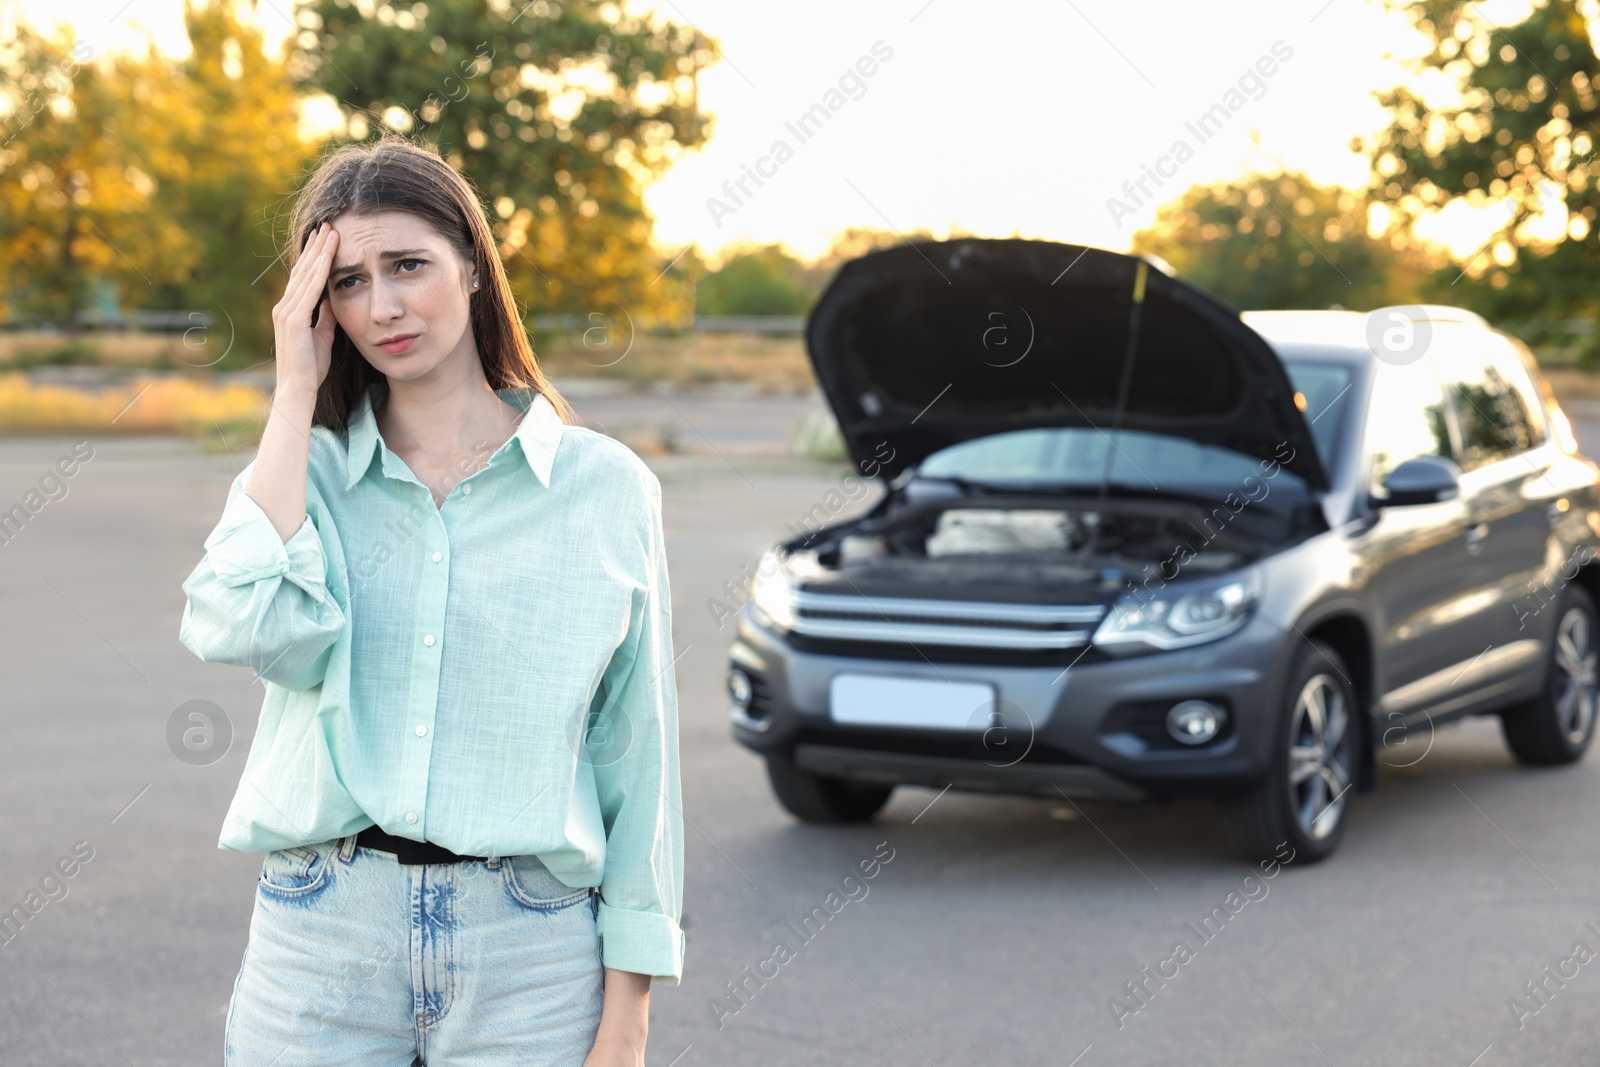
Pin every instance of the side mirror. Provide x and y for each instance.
(1424, 480)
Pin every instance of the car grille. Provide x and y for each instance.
(969, 624)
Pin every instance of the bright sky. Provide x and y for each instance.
(1026, 119)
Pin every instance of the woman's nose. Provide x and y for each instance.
(386, 303)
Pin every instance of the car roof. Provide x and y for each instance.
(1339, 334)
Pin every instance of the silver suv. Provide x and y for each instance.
(1134, 545)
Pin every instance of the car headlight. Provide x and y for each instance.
(773, 594)
(1178, 617)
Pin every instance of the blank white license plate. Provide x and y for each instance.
(887, 700)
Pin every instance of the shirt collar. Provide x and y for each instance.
(538, 431)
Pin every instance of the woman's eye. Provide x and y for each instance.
(340, 284)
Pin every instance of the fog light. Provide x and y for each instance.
(1194, 722)
(739, 689)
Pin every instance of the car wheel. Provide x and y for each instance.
(1556, 726)
(1304, 798)
(818, 798)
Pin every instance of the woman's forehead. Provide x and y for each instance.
(384, 224)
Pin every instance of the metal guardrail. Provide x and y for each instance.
(775, 325)
(765, 325)
(147, 321)
(1569, 327)
(159, 321)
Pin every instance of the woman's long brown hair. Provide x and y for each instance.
(394, 173)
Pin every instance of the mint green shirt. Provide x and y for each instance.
(494, 675)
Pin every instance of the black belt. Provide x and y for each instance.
(408, 851)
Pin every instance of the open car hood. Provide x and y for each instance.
(926, 345)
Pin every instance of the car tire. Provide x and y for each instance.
(818, 798)
(1303, 803)
(1557, 725)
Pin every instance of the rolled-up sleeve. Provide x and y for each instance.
(257, 601)
(641, 891)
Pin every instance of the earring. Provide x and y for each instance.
(474, 285)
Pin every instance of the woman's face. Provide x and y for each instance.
(393, 276)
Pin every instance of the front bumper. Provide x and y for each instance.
(1080, 724)
(976, 776)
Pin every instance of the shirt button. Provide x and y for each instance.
(428, 640)
(422, 731)
(437, 556)
(466, 488)
(411, 816)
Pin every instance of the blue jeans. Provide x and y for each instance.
(355, 958)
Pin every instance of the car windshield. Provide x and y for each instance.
(1076, 456)
(1326, 389)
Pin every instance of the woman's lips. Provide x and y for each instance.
(394, 348)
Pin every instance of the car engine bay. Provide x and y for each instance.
(1029, 542)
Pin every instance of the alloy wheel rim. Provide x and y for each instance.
(1319, 763)
(1577, 664)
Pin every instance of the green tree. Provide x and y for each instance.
(559, 111)
(755, 281)
(231, 155)
(176, 170)
(1275, 241)
(78, 202)
(1517, 138)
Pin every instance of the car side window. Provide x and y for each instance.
(1514, 363)
(1406, 419)
(1494, 422)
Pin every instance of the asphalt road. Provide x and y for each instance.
(997, 933)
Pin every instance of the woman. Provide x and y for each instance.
(465, 774)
